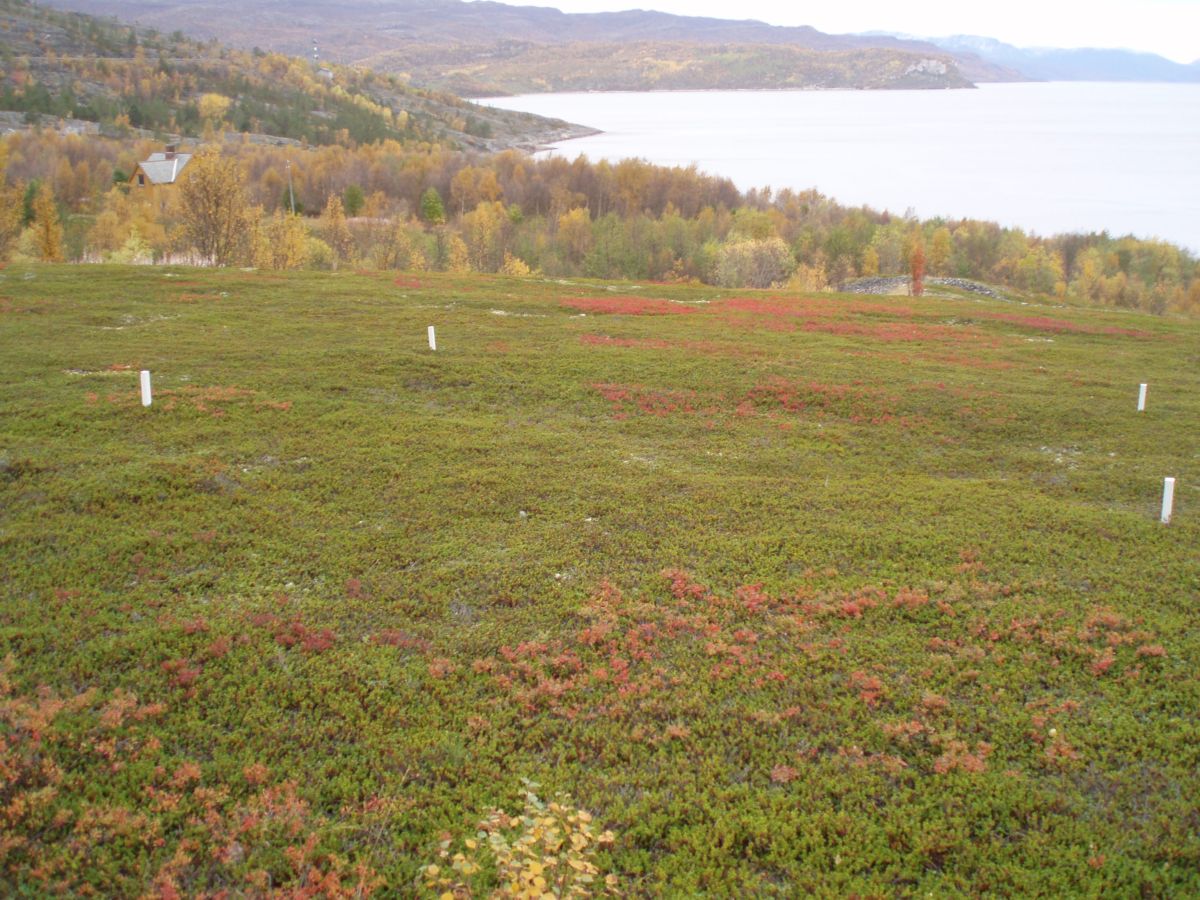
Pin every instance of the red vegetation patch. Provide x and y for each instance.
(195, 626)
(183, 673)
(409, 283)
(255, 774)
(838, 318)
(910, 600)
(811, 307)
(1097, 644)
(851, 401)
(782, 774)
(854, 403)
(682, 586)
(870, 688)
(309, 640)
(1060, 326)
(627, 306)
(652, 402)
(393, 637)
(295, 633)
(957, 755)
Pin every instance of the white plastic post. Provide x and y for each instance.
(1142, 398)
(432, 339)
(146, 398)
(1168, 500)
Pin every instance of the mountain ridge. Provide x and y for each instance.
(362, 30)
(487, 47)
(1073, 64)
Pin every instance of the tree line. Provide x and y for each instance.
(393, 205)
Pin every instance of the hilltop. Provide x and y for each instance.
(56, 65)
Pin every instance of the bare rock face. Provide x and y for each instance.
(928, 67)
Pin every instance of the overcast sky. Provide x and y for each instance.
(1168, 27)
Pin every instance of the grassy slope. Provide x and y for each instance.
(451, 517)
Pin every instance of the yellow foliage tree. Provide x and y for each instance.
(484, 230)
(213, 108)
(870, 263)
(123, 214)
(941, 246)
(399, 251)
(809, 277)
(1189, 301)
(458, 258)
(213, 207)
(47, 230)
(335, 231)
(281, 242)
(514, 265)
(473, 185)
(11, 207)
(575, 234)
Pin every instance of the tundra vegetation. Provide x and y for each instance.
(638, 589)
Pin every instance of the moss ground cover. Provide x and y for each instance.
(792, 594)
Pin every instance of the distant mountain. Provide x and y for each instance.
(450, 41)
(643, 65)
(1050, 64)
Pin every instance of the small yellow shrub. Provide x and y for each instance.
(547, 851)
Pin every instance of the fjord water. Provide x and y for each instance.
(1045, 157)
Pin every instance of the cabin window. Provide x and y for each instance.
(141, 180)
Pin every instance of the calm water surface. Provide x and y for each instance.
(1044, 157)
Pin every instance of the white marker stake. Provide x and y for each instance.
(432, 339)
(146, 399)
(1168, 500)
(1142, 398)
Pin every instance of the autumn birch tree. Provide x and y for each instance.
(335, 230)
(11, 207)
(916, 262)
(47, 230)
(214, 208)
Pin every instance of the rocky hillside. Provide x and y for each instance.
(68, 66)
